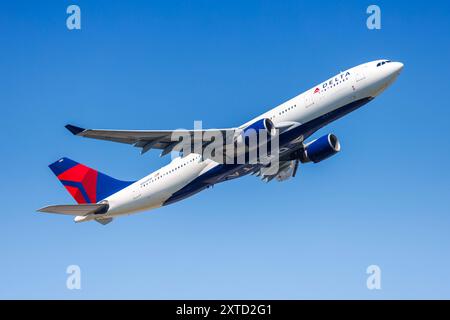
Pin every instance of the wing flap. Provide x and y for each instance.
(76, 209)
(284, 171)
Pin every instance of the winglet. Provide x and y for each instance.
(74, 129)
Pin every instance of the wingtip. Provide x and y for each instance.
(74, 129)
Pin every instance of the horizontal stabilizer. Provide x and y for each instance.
(76, 209)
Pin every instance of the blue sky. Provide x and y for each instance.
(161, 65)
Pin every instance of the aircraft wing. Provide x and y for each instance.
(148, 139)
(76, 209)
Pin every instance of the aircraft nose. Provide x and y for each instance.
(393, 70)
(398, 67)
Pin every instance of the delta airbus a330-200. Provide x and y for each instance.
(102, 198)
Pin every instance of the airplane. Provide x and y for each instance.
(102, 198)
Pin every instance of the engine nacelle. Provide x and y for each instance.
(262, 125)
(322, 148)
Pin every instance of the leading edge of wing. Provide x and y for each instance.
(78, 131)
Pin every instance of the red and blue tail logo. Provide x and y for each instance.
(86, 185)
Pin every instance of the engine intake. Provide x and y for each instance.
(322, 148)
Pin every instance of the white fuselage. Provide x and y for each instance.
(366, 80)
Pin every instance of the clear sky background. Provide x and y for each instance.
(383, 200)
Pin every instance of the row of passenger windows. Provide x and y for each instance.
(168, 172)
(284, 111)
(383, 62)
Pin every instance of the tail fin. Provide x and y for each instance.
(86, 185)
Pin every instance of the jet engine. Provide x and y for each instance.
(253, 130)
(321, 149)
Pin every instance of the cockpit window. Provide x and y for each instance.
(383, 62)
